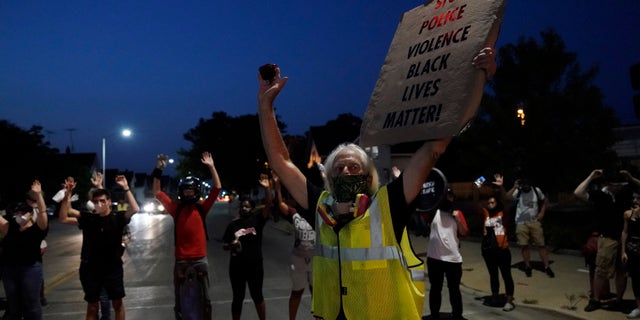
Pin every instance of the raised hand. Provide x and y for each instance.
(161, 161)
(97, 180)
(122, 181)
(207, 159)
(264, 180)
(36, 187)
(498, 179)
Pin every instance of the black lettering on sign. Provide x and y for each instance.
(440, 41)
(421, 90)
(430, 65)
(415, 116)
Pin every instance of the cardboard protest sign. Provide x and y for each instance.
(428, 88)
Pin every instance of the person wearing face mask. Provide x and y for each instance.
(360, 226)
(22, 262)
(101, 253)
(32, 201)
(190, 238)
(243, 239)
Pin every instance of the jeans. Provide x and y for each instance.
(22, 287)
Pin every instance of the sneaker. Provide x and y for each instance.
(549, 272)
(593, 305)
(508, 306)
(527, 271)
(635, 313)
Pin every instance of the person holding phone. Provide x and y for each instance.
(498, 258)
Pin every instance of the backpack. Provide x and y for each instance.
(535, 192)
(202, 216)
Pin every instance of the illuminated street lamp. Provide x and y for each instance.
(125, 133)
(520, 113)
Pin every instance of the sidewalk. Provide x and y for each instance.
(538, 291)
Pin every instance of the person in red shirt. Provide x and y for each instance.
(189, 214)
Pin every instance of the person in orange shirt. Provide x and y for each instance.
(497, 255)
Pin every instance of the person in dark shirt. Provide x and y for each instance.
(610, 203)
(22, 261)
(101, 253)
(243, 239)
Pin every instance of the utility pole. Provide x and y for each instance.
(71, 130)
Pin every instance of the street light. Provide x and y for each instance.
(520, 113)
(125, 133)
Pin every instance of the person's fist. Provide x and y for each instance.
(161, 161)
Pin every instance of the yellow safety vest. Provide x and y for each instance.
(377, 280)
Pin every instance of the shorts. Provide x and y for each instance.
(608, 258)
(530, 233)
(301, 275)
(93, 279)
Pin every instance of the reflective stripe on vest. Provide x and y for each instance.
(375, 252)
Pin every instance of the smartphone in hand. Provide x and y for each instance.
(479, 181)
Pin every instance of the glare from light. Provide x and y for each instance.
(149, 207)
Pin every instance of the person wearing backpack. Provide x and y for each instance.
(188, 213)
(530, 208)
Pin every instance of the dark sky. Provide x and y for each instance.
(86, 69)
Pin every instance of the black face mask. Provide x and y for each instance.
(346, 188)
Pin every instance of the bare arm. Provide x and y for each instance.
(581, 189)
(624, 235)
(4, 225)
(282, 206)
(208, 161)
(274, 145)
(629, 177)
(133, 207)
(65, 204)
(267, 211)
(43, 218)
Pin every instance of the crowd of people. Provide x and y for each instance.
(351, 236)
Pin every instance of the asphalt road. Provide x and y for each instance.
(148, 274)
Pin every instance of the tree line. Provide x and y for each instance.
(567, 133)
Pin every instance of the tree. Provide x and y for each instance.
(27, 157)
(568, 129)
(236, 146)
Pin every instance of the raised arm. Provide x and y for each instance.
(132, 208)
(43, 218)
(581, 189)
(283, 207)
(277, 153)
(208, 161)
(68, 215)
(161, 164)
(267, 211)
(630, 178)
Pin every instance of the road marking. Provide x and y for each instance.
(58, 279)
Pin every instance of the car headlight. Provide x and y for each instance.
(149, 207)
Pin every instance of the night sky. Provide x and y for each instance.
(86, 69)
